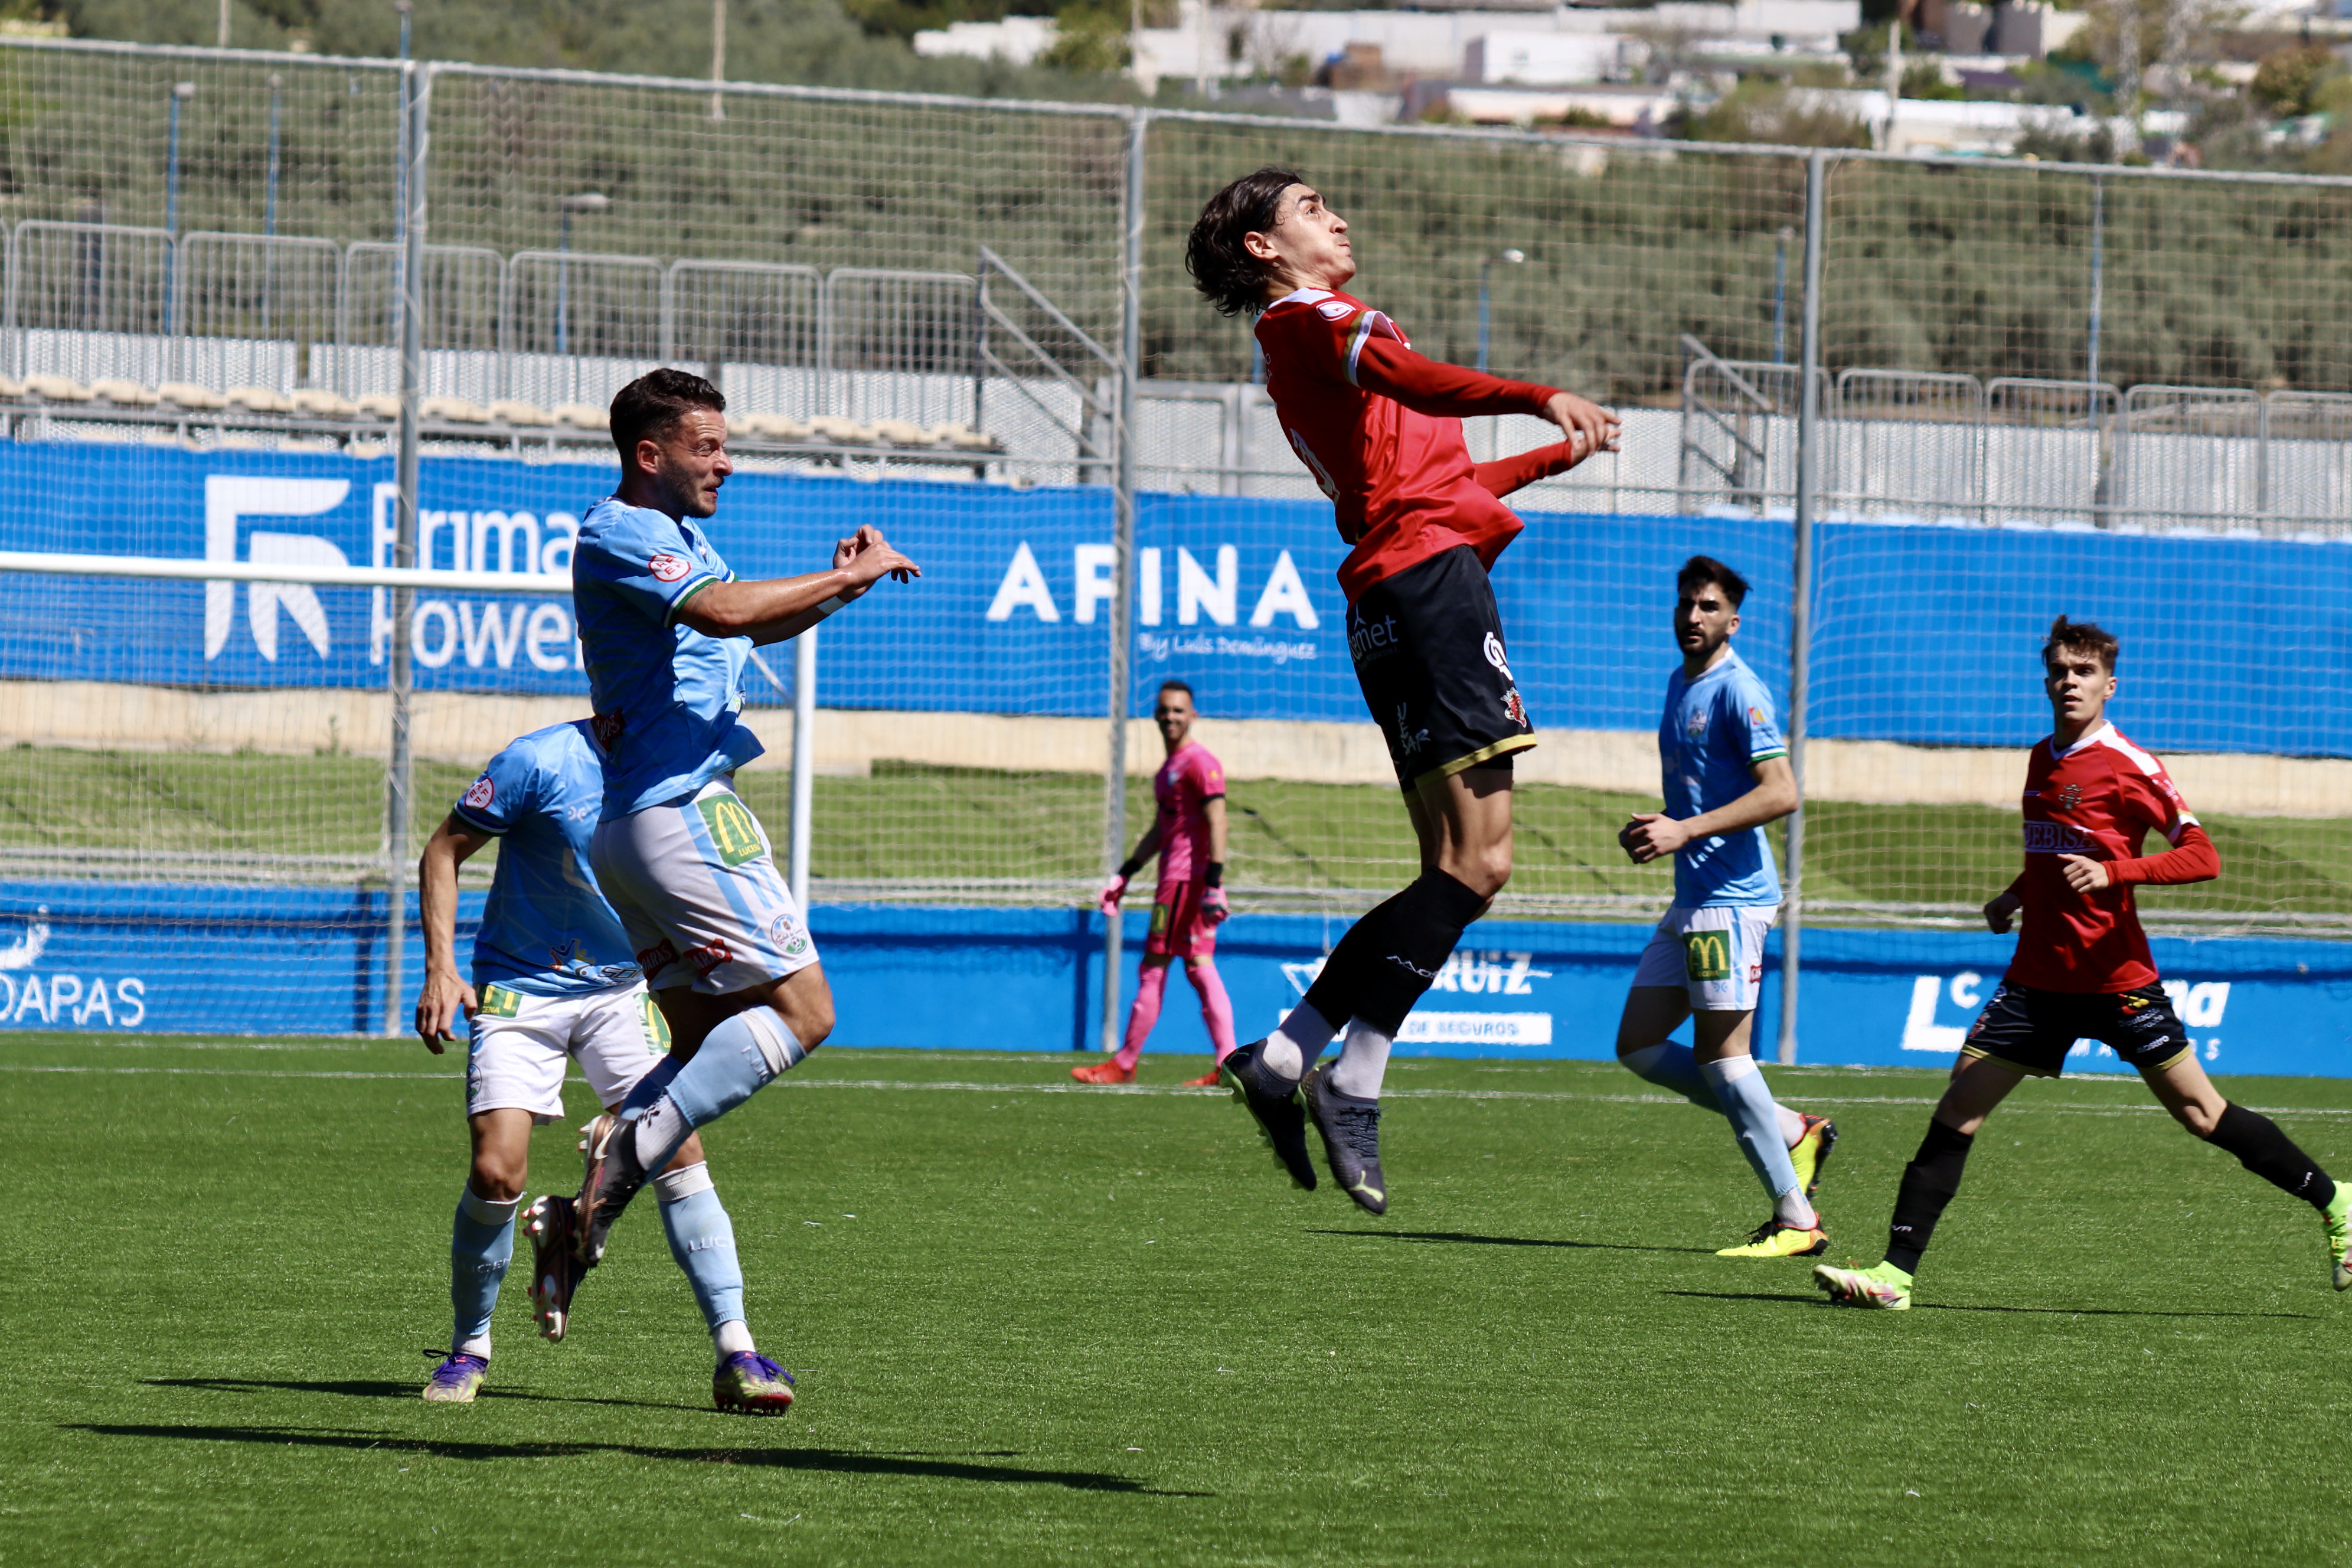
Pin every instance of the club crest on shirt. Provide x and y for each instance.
(480, 792)
(668, 568)
(2070, 798)
(1696, 725)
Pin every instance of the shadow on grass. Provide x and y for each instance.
(367, 1388)
(816, 1459)
(1464, 1238)
(1815, 1300)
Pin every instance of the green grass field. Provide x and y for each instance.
(1092, 1327)
(913, 822)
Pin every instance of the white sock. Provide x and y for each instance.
(1292, 1048)
(487, 1211)
(671, 1186)
(732, 1336)
(1791, 1208)
(1792, 1126)
(479, 1345)
(1363, 1061)
(661, 1127)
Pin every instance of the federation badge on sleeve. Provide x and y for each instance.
(668, 568)
(480, 792)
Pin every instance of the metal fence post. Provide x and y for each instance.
(1809, 456)
(400, 774)
(803, 763)
(1130, 353)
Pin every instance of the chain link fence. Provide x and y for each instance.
(2032, 378)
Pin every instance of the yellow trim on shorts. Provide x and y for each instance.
(1978, 1053)
(1464, 763)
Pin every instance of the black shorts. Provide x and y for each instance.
(1428, 646)
(2033, 1030)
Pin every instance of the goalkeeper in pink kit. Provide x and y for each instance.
(1189, 836)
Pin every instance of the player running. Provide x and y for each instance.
(666, 629)
(1189, 836)
(556, 982)
(1727, 775)
(2082, 969)
(1380, 427)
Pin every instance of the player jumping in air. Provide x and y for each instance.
(1380, 429)
(1727, 775)
(666, 629)
(2082, 969)
(556, 982)
(1189, 836)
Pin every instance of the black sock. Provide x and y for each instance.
(1341, 979)
(1423, 924)
(1928, 1182)
(2271, 1154)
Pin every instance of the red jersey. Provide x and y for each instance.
(2098, 799)
(1184, 785)
(1380, 429)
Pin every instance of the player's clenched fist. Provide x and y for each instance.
(1113, 892)
(1215, 909)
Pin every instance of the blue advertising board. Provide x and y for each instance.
(97, 957)
(1925, 634)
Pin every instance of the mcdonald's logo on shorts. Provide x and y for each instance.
(1706, 954)
(1159, 918)
(732, 830)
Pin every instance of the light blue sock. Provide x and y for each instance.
(481, 1245)
(702, 1239)
(1672, 1066)
(736, 1058)
(1756, 1123)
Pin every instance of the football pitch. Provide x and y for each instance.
(1034, 1324)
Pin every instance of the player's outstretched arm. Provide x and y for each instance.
(446, 995)
(783, 608)
(1452, 392)
(1653, 834)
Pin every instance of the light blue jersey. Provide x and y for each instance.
(667, 696)
(546, 930)
(1716, 728)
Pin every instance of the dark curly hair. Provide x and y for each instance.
(654, 403)
(1221, 267)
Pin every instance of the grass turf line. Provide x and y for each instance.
(1097, 1327)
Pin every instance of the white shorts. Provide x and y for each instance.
(1717, 953)
(515, 1059)
(697, 889)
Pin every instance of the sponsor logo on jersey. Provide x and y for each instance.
(710, 956)
(668, 568)
(1756, 717)
(2057, 838)
(480, 792)
(656, 958)
(1334, 309)
(1492, 649)
(606, 727)
(1369, 639)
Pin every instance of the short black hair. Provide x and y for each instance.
(2084, 638)
(1220, 266)
(654, 404)
(1700, 570)
(1177, 686)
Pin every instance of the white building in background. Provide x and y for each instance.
(1565, 44)
(1016, 40)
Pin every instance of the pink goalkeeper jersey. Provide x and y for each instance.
(1185, 785)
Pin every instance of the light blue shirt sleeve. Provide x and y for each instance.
(648, 564)
(1754, 714)
(507, 792)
